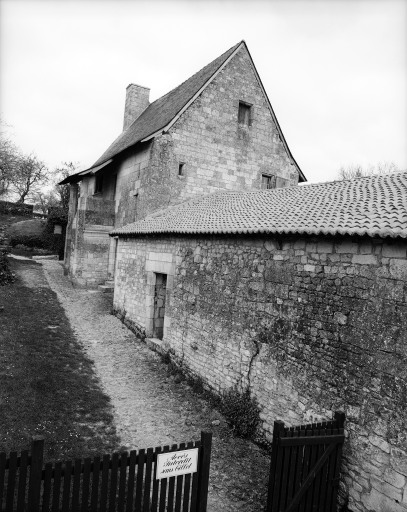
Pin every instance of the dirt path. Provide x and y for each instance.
(150, 408)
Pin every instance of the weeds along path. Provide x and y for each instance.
(150, 408)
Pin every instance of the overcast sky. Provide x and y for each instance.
(335, 71)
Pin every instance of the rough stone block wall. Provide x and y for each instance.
(88, 242)
(133, 165)
(310, 325)
(217, 151)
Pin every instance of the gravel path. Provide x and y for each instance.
(150, 408)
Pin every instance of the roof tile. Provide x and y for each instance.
(374, 206)
(162, 111)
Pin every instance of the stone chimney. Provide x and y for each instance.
(137, 100)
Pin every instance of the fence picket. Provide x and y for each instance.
(2, 475)
(94, 503)
(86, 484)
(34, 485)
(187, 487)
(130, 482)
(139, 481)
(22, 482)
(154, 497)
(122, 482)
(46, 496)
(11, 480)
(163, 487)
(320, 475)
(56, 489)
(171, 487)
(76, 484)
(66, 494)
(292, 475)
(203, 470)
(113, 482)
(324, 479)
(178, 491)
(105, 483)
(147, 482)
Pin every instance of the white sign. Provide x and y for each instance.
(177, 463)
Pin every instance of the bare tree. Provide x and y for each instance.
(30, 174)
(9, 158)
(45, 199)
(63, 191)
(357, 171)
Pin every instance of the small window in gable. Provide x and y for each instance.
(98, 184)
(181, 169)
(268, 181)
(244, 114)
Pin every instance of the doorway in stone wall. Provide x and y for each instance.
(159, 305)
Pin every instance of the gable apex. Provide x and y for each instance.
(160, 115)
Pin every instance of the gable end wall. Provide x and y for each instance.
(217, 151)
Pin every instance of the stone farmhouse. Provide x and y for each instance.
(295, 293)
(217, 130)
(298, 295)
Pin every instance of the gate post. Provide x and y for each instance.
(203, 470)
(273, 489)
(339, 417)
(34, 487)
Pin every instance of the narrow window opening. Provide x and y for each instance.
(76, 193)
(244, 114)
(98, 184)
(114, 186)
(181, 169)
(268, 181)
(159, 305)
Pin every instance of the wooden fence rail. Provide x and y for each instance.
(110, 483)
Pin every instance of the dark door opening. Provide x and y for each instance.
(159, 305)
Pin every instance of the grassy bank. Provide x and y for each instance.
(48, 387)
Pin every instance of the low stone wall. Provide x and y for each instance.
(16, 208)
(310, 325)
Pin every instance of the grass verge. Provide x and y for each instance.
(48, 386)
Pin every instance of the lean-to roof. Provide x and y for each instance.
(373, 206)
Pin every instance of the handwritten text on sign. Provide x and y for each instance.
(177, 463)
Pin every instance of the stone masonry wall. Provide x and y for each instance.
(87, 249)
(217, 151)
(310, 325)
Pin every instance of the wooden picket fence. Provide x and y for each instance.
(305, 465)
(110, 483)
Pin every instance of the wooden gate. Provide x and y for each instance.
(305, 465)
(110, 483)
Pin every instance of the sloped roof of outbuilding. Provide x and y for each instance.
(373, 206)
(164, 111)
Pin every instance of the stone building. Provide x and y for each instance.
(297, 294)
(217, 130)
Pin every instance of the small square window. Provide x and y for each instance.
(181, 169)
(244, 114)
(99, 184)
(268, 181)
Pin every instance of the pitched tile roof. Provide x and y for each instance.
(163, 111)
(374, 206)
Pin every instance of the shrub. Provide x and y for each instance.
(6, 275)
(241, 411)
(27, 240)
